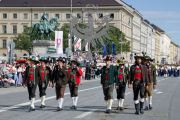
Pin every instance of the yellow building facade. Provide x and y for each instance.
(13, 20)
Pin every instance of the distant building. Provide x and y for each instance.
(15, 16)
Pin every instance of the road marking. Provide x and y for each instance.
(48, 98)
(52, 97)
(85, 114)
(89, 81)
(93, 110)
(155, 90)
(159, 92)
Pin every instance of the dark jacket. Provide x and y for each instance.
(26, 79)
(132, 73)
(48, 75)
(112, 75)
(59, 76)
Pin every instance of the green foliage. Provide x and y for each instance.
(117, 36)
(113, 33)
(24, 41)
(66, 30)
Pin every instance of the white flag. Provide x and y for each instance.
(69, 41)
(59, 42)
(77, 46)
(86, 47)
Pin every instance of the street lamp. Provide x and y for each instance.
(121, 39)
(70, 37)
(71, 7)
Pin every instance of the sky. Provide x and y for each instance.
(163, 13)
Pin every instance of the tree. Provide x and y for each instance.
(24, 41)
(66, 30)
(116, 36)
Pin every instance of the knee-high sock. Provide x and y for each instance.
(110, 102)
(146, 102)
(60, 102)
(119, 102)
(32, 102)
(75, 101)
(150, 100)
(122, 102)
(43, 100)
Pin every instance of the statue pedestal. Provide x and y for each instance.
(43, 46)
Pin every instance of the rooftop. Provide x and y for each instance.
(157, 28)
(56, 3)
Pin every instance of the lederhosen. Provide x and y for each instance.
(31, 80)
(121, 83)
(73, 87)
(60, 79)
(138, 83)
(43, 79)
(107, 80)
(149, 84)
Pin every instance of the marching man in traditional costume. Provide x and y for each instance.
(44, 76)
(108, 77)
(60, 79)
(74, 76)
(151, 82)
(138, 77)
(122, 78)
(30, 79)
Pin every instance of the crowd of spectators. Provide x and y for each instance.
(168, 71)
(11, 74)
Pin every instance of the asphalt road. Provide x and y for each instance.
(166, 104)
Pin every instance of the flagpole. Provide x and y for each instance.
(70, 38)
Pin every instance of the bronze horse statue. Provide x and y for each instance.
(44, 28)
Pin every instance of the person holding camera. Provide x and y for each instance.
(59, 77)
(74, 79)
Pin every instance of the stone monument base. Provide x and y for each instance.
(42, 46)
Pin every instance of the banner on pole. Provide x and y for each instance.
(69, 40)
(86, 47)
(59, 42)
(77, 46)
